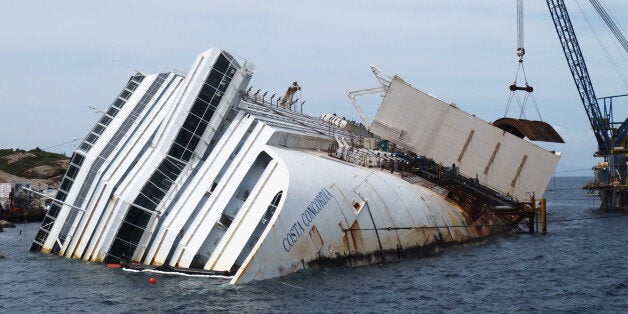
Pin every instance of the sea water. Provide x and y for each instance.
(580, 265)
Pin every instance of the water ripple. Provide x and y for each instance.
(579, 266)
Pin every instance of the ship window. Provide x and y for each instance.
(98, 129)
(54, 210)
(208, 89)
(214, 78)
(270, 211)
(358, 205)
(144, 201)
(125, 94)
(198, 108)
(112, 111)
(85, 146)
(118, 103)
(209, 113)
(176, 151)
(194, 141)
(161, 181)
(153, 191)
(132, 86)
(72, 171)
(244, 194)
(138, 78)
(231, 72)
(191, 122)
(77, 159)
(168, 170)
(105, 120)
(91, 138)
(187, 154)
(198, 132)
(216, 100)
(225, 220)
(223, 85)
(206, 93)
(137, 217)
(61, 196)
(129, 231)
(66, 184)
(183, 138)
(222, 63)
(174, 165)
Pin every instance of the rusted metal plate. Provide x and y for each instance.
(532, 129)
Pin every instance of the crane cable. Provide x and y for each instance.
(610, 23)
(521, 68)
(520, 50)
(613, 63)
(64, 143)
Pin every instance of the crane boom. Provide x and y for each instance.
(580, 74)
(382, 89)
(357, 107)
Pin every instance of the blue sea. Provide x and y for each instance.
(580, 265)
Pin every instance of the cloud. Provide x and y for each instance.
(57, 57)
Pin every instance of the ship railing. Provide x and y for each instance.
(316, 125)
(290, 119)
(450, 176)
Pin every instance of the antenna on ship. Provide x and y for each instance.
(384, 82)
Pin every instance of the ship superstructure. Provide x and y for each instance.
(195, 174)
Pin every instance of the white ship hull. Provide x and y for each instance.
(193, 174)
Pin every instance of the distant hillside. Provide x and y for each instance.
(34, 166)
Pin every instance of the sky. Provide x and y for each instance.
(59, 58)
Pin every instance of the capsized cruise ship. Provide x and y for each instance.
(198, 173)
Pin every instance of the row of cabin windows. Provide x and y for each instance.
(111, 112)
(200, 113)
(180, 152)
(76, 160)
(117, 137)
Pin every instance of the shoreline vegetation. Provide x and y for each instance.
(35, 166)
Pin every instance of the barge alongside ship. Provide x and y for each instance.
(195, 172)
